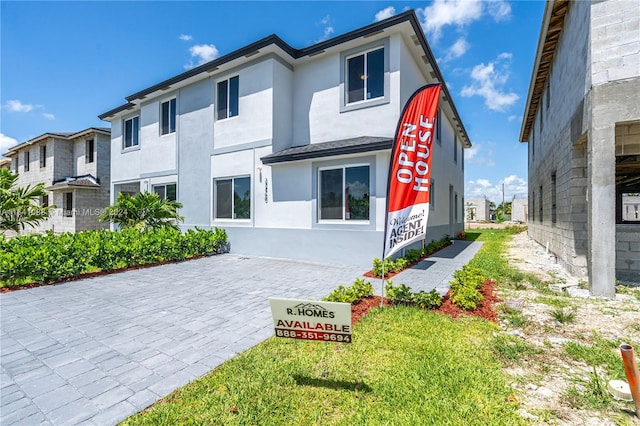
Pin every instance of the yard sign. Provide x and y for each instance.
(409, 180)
(310, 320)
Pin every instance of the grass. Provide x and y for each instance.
(406, 366)
(603, 353)
(514, 317)
(563, 316)
(559, 302)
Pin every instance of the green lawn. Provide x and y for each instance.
(406, 366)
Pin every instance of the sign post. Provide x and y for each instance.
(311, 320)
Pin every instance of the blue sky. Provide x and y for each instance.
(64, 63)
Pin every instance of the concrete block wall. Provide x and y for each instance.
(628, 254)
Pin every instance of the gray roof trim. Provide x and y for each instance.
(328, 149)
(59, 135)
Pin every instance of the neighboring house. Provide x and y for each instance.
(5, 163)
(582, 123)
(288, 149)
(477, 210)
(75, 169)
(519, 210)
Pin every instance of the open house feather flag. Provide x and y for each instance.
(409, 183)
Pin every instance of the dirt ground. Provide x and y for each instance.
(543, 383)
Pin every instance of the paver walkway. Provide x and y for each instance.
(95, 351)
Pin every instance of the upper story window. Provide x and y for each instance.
(344, 193)
(131, 133)
(89, 148)
(43, 156)
(228, 98)
(168, 117)
(439, 127)
(365, 76)
(26, 161)
(166, 191)
(232, 198)
(455, 148)
(14, 164)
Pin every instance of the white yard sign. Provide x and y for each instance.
(310, 320)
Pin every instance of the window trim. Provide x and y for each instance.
(364, 54)
(320, 169)
(345, 106)
(132, 147)
(165, 184)
(217, 96)
(215, 199)
(175, 116)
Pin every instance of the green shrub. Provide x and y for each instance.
(398, 295)
(466, 298)
(424, 300)
(465, 287)
(48, 257)
(360, 289)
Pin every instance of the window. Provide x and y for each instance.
(89, 146)
(44, 201)
(455, 206)
(365, 76)
(26, 161)
(43, 156)
(228, 98)
(166, 191)
(548, 96)
(131, 132)
(14, 164)
(553, 198)
(533, 143)
(533, 206)
(168, 117)
(432, 195)
(232, 198)
(455, 148)
(439, 127)
(540, 205)
(344, 193)
(68, 204)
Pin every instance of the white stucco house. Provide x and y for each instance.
(288, 149)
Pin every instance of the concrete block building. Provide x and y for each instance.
(582, 125)
(477, 210)
(519, 210)
(288, 149)
(75, 167)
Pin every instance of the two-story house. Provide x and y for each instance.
(582, 124)
(75, 168)
(288, 149)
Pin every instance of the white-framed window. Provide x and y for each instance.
(365, 75)
(232, 198)
(168, 117)
(89, 148)
(166, 191)
(228, 98)
(131, 134)
(343, 193)
(43, 156)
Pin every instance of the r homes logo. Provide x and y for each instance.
(310, 310)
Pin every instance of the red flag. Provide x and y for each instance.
(408, 189)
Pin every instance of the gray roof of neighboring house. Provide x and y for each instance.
(84, 181)
(59, 135)
(327, 149)
(253, 48)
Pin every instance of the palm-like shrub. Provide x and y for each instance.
(18, 207)
(145, 211)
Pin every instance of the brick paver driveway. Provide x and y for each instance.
(95, 351)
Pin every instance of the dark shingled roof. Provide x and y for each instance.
(327, 149)
(84, 181)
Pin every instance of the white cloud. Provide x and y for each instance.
(6, 142)
(513, 118)
(488, 81)
(185, 37)
(14, 105)
(202, 53)
(457, 49)
(459, 13)
(385, 13)
(328, 28)
(481, 188)
(477, 154)
(48, 116)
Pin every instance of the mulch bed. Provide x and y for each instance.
(484, 310)
(387, 275)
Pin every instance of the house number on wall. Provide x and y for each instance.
(266, 190)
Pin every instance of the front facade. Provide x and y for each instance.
(477, 210)
(520, 210)
(582, 124)
(288, 149)
(75, 168)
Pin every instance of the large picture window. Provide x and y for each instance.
(131, 132)
(344, 193)
(228, 93)
(168, 117)
(232, 198)
(365, 76)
